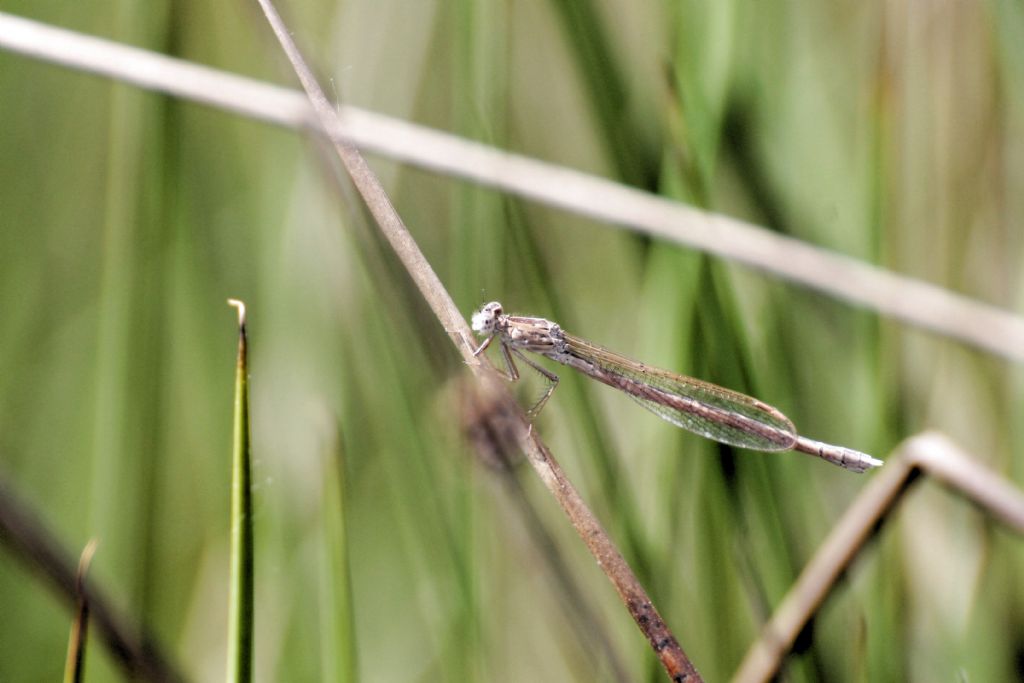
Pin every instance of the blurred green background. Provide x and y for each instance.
(385, 550)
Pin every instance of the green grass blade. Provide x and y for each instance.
(338, 651)
(605, 86)
(240, 605)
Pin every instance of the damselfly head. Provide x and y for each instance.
(485, 319)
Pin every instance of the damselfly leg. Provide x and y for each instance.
(551, 377)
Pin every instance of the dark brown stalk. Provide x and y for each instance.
(675, 661)
(490, 429)
(131, 647)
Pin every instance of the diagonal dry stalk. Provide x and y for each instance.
(490, 428)
(931, 454)
(882, 291)
(675, 661)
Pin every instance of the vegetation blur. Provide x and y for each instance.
(387, 548)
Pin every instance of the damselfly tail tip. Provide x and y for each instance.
(873, 462)
(855, 461)
(847, 458)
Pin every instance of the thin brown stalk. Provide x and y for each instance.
(675, 661)
(882, 291)
(930, 454)
(74, 665)
(25, 536)
(490, 429)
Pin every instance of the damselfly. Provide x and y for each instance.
(701, 407)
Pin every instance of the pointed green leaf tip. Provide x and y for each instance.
(240, 604)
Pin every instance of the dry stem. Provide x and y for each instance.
(877, 289)
(931, 454)
(25, 537)
(611, 561)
